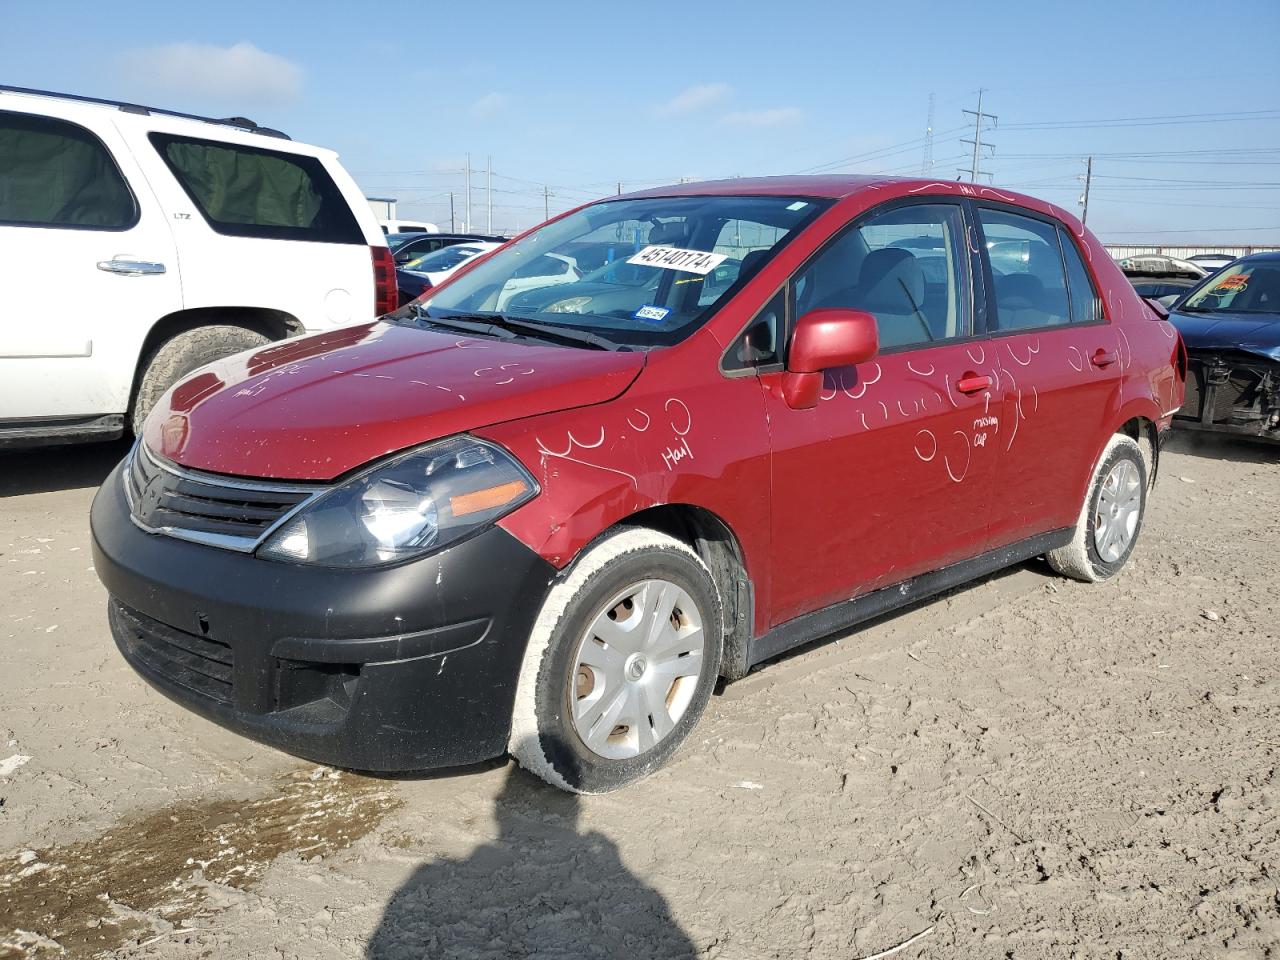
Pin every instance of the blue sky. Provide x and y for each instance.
(579, 96)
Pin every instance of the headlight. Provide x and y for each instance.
(568, 305)
(412, 505)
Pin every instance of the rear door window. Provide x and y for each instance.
(58, 174)
(253, 192)
(1027, 271)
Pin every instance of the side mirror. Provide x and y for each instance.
(824, 340)
(1161, 311)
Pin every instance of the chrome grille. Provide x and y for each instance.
(204, 507)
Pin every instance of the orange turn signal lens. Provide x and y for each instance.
(487, 499)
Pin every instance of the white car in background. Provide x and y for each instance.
(434, 267)
(138, 244)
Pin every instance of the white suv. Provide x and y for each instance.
(138, 244)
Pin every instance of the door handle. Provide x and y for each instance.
(1102, 359)
(973, 382)
(131, 268)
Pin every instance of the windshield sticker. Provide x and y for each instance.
(1234, 283)
(674, 258)
(651, 314)
(798, 205)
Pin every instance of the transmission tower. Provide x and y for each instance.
(979, 127)
(926, 166)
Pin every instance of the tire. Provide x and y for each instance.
(568, 675)
(182, 353)
(1083, 558)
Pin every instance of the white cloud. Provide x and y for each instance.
(775, 117)
(489, 104)
(237, 74)
(693, 98)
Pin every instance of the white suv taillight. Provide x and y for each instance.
(386, 297)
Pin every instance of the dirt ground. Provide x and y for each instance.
(1027, 767)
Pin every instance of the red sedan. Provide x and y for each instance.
(543, 515)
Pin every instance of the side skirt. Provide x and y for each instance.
(43, 433)
(849, 613)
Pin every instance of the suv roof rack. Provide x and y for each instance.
(243, 123)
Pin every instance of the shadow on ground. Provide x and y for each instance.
(70, 467)
(1218, 446)
(541, 887)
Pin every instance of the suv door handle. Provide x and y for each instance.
(1102, 359)
(973, 382)
(131, 268)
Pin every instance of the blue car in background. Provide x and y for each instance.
(1230, 323)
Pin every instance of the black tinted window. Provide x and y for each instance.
(56, 174)
(251, 192)
(1084, 298)
(1026, 265)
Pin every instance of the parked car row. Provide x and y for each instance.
(1228, 313)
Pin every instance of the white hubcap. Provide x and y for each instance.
(1115, 520)
(636, 669)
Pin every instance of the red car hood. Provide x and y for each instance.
(314, 408)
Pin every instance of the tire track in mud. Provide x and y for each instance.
(150, 873)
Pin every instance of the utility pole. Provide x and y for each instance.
(926, 167)
(975, 169)
(488, 180)
(546, 202)
(452, 226)
(1084, 200)
(619, 188)
(467, 225)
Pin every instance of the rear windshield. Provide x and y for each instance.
(251, 192)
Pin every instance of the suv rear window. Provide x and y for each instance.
(58, 174)
(251, 192)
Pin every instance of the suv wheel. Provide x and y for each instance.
(182, 353)
(1111, 517)
(620, 664)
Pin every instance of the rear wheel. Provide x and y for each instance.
(1111, 517)
(620, 665)
(182, 353)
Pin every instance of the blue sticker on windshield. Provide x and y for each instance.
(651, 314)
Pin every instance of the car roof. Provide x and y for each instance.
(840, 186)
(241, 124)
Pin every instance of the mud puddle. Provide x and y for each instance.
(149, 875)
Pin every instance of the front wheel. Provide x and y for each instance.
(1111, 517)
(620, 664)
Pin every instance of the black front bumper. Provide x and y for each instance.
(393, 669)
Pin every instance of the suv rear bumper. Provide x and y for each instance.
(401, 668)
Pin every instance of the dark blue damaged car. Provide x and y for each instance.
(1230, 323)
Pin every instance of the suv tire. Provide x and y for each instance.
(1114, 505)
(182, 353)
(591, 715)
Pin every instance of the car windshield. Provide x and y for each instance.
(645, 272)
(446, 258)
(1241, 287)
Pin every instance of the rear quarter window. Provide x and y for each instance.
(253, 192)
